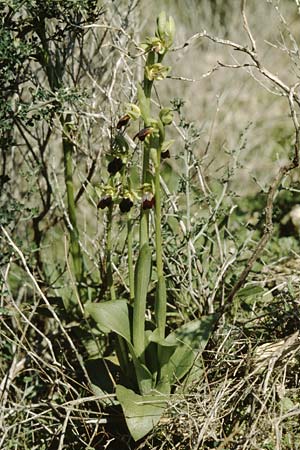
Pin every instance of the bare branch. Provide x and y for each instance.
(253, 55)
(246, 26)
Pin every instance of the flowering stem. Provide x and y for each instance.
(161, 297)
(130, 258)
(158, 241)
(108, 255)
(144, 218)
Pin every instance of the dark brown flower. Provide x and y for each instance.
(142, 134)
(125, 204)
(148, 200)
(123, 121)
(105, 202)
(115, 166)
(165, 154)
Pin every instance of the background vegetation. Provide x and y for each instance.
(230, 222)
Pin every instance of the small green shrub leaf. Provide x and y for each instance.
(250, 291)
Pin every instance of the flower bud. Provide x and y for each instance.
(165, 29)
(166, 116)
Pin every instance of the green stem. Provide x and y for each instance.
(110, 281)
(187, 163)
(158, 239)
(122, 355)
(161, 297)
(130, 257)
(144, 218)
(54, 76)
(121, 346)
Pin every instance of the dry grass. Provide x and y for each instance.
(246, 396)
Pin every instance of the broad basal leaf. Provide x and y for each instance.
(111, 316)
(191, 341)
(142, 412)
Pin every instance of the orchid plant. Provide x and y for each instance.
(152, 359)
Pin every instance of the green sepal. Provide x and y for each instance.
(166, 115)
(156, 72)
(133, 111)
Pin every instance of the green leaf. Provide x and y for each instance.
(143, 375)
(170, 341)
(151, 356)
(144, 104)
(191, 341)
(111, 316)
(141, 281)
(142, 412)
(164, 350)
(114, 316)
(250, 291)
